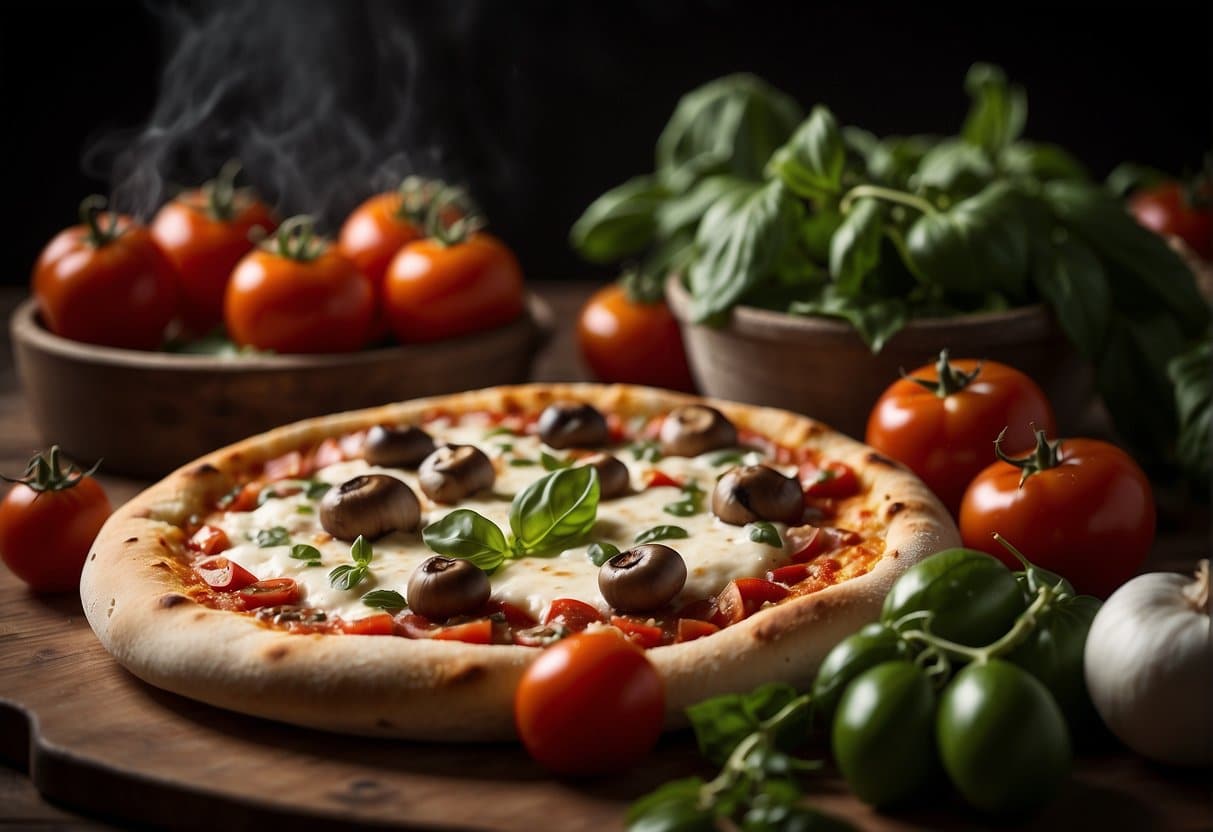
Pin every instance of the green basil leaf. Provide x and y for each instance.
(674, 807)
(765, 533)
(553, 463)
(621, 222)
(954, 167)
(661, 533)
(522, 462)
(998, 111)
(876, 319)
(682, 213)
(1131, 370)
(315, 489)
(600, 552)
(304, 551)
(741, 249)
(555, 509)
(1040, 162)
(346, 576)
(1192, 375)
(789, 816)
(304, 510)
(361, 551)
(274, 536)
(690, 503)
(268, 493)
(1070, 277)
(385, 599)
(728, 458)
(500, 430)
(722, 722)
(313, 563)
(815, 233)
(646, 451)
(465, 534)
(1129, 176)
(855, 247)
(890, 161)
(811, 162)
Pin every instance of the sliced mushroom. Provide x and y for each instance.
(441, 588)
(695, 429)
(642, 579)
(397, 447)
(614, 480)
(370, 505)
(746, 494)
(454, 471)
(572, 425)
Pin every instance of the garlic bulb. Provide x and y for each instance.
(1149, 666)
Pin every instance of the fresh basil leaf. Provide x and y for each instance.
(954, 167)
(811, 162)
(553, 463)
(815, 233)
(268, 493)
(465, 534)
(742, 251)
(876, 319)
(689, 504)
(361, 551)
(305, 551)
(522, 462)
(998, 112)
(1129, 176)
(682, 213)
(855, 247)
(1131, 370)
(646, 451)
(274, 536)
(1070, 277)
(315, 489)
(385, 599)
(722, 722)
(893, 160)
(304, 510)
(674, 807)
(1040, 162)
(728, 458)
(621, 222)
(500, 430)
(765, 533)
(313, 563)
(347, 576)
(555, 510)
(1192, 375)
(661, 533)
(600, 552)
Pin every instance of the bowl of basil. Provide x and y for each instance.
(808, 262)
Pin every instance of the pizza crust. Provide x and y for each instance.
(447, 690)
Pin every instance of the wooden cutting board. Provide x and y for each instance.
(102, 741)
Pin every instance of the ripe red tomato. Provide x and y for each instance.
(1085, 511)
(106, 281)
(625, 340)
(1167, 210)
(945, 432)
(204, 233)
(437, 290)
(48, 521)
(591, 703)
(268, 593)
(297, 294)
(376, 230)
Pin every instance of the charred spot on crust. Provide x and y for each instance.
(131, 540)
(893, 554)
(171, 600)
(277, 653)
(204, 470)
(199, 616)
(877, 459)
(93, 556)
(162, 565)
(894, 509)
(467, 673)
(163, 543)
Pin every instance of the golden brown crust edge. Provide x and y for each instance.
(451, 691)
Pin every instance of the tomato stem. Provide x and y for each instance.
(91, 208)
(888, 195)
(296, 239)
(416, 196)
(1044, 456)
(452, 217)
(45, 472)
(950, 380)
(220, 192)
(1023, 627)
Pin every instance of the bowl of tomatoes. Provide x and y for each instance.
(151, 345)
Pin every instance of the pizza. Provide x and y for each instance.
(393, 571)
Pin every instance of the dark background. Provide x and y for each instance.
(540, 106)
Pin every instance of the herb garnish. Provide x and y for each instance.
(646, 451)
(661, 533)
(385, 599)
(765, 533)
(348, 576)
(690, 503)
(273, 536)
(307, 552)
(601, 551)
(551, 462)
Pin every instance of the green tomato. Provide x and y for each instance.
(883, 735)
(872, 645)
(974, 597)
(1002, 738)
(1054, 655)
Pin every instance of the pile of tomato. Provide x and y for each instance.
(413, 264)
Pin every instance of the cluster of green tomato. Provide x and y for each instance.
(973, 672)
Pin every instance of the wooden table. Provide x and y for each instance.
(1110, 789)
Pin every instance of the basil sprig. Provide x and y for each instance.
(550, 514)
(661, 533)
(691, 501)
(347, 575)
(385, 599)
(307, 552)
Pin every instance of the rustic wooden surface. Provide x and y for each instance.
(109, 751)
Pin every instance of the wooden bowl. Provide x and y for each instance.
(822, 368)
(145, 413)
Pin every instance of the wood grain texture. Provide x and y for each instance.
(110, 746)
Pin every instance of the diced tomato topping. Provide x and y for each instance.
(615, 428)
(743, 597)
(646, 635)
(245, 499)
(473, 632)
(373, 625)
(412, 625)
(835, 480)
(652, 428)
(788, 575)
(287, 466)
(210, 540)
(701, 610)
(573, 614)
(807, 542)
(351, 444)
(658, 479)
(224, 575)
(690, 629)
(327, 453)
(516, 617)
(271, 593)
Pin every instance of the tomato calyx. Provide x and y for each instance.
(950, 380)
(642, 287)
(45, 472)
(417, 194)
(296, 239)
(91, 208)
(452, 217)
(220, 192)
(1044, 456)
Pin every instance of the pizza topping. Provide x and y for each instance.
(573, 425)
(695, 429)
(369, 506)
(397, 447)
(642, 579)
(614, 479)
(286, 615)
(224, 575)
(272, 593)
(210, 540)
(455, 471)
(441, 588)
(756, 492)
(572, 615)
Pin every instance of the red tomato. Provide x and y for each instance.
(434, 290)
(660, 479)
(835, 480)
(789, 575)
(743, 597)
(224, 575)
(690, 629)
(945, 432)
(270, 593)
(590, 704)
(645, 635)
(106, 282)
(48, 521)
(516, 617)
(242, 499)
(381, 624)
(297, 295)
(472, 632)
(210, 540)
(204, 233)
(1167, 210)
(573, 614)
(627, 341)
(414, 626)
(807, 542)
(1085, 511)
